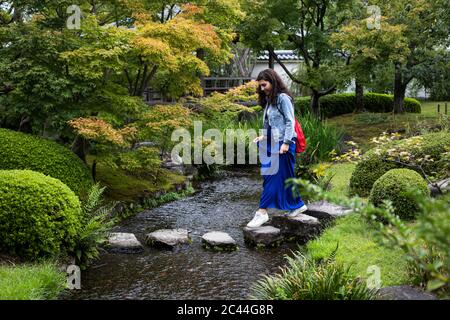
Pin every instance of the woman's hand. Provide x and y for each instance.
(258, 139)
(284, 148)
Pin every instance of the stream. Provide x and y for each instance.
(191, 272)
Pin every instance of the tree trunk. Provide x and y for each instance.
(25, 125)
(79, 147)
(271, 62)
(315, 107)
(201, 56)
(359, 93)
(94, 170)
(399, 90)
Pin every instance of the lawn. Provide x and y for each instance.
(362, 127)
(358, 249)
(356, 239)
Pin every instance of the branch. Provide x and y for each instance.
(273, 54)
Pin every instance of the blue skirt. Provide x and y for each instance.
(275, 170)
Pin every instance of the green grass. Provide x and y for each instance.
(429, 108)
(358, 249)
(356, 239)
(31, 282)
(340, 182)
(362, 133)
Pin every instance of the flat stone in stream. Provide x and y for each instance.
(168, 238)
(326, 211)
(219, 241)
(265, 236)
(119, 242)
(300, 228)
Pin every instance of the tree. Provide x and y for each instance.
(369, 46)
(425, 26)
(304, 26)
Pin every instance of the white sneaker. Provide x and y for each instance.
(258, 220)
(296, 212)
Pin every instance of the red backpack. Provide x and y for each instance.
(301, 141)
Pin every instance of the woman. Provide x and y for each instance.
(281, 138)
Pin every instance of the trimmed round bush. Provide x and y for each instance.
(395, 185)
(342, 103)
(27, 152)
(373, 165)
(39, 215)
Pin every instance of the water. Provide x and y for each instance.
(190, 272)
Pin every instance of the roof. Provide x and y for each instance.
(282, 55)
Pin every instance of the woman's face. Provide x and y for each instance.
(265, 86)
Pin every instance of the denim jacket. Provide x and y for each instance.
(283, 128)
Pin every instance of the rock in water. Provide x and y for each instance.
(266, 236)
(404, 292)
(219, 241)
(300, 228)
(124, 243)
(326, 211)
(168, 238)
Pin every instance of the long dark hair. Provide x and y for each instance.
(278, 87)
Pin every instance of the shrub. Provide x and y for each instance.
(426, 243)
(395, 185)
(429, 152)
(22, 151)
(39, 215)
(336, 104)
(307, 279)
(321, 139)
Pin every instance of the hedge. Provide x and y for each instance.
(336, 104)
(395, 185)
(23, 151)
(39, 215)
(373, 166)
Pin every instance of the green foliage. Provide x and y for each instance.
(336, 104)
(22, 151)
(305, 278)
(411, 152)
(394, 185)
(143, 162)
(426, 243)
(40, 281)
(321, 139)
(371, 118)
(96, 222)
(39, 215)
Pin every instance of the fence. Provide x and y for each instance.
(209, 85)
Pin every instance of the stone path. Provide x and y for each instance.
(279, 229)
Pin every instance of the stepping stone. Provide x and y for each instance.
(219, 241)
(326, 210)
(168, 238)
(404, 292)
(119, 242)
(265, 236)
(300, 228)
